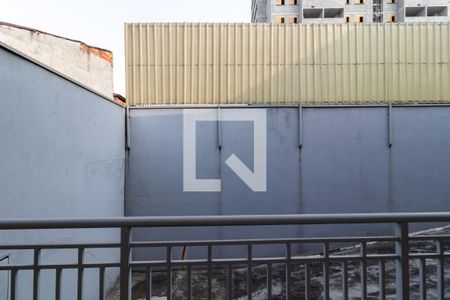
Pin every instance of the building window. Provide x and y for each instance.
(347, 1)
(280, 2)
(293, 2)
(437, 11)
(294, 20)
(280, 19)
(359, 19)
(390, 1)
(390, 18)
(312, 13)
(333, 13)
(359, 1)
(415, 11)
(347, 19)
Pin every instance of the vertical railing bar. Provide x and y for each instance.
(219, 127)
(148, 283)
(269, 281)
(13, 284)
(363, 254)
(440, 271)
(230, 282)
(300, 126)
(422, 279)
(101, 283)
(288, 270)
(326, 275)
(189, 282)
(402, 263)
(390, 125)
(209, 272)
(345, 279)
(37, 253)
(58, 272)
(125, 263)
(249, 271)
(307, 281)
(382, 279)
(169, 272)
(80, 272)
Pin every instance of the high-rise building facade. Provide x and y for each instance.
(349, 11)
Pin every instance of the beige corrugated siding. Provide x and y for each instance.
(168, 64)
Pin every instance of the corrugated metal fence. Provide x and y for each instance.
(172, 63)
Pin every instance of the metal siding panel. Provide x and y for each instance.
(168, 64)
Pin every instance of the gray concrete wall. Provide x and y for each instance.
(259, 14)
(61, 155)
(390, 9)
(344, 166)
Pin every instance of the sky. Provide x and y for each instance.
(100, 22)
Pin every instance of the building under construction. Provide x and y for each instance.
(349, 11)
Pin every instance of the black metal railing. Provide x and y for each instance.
(324, 273)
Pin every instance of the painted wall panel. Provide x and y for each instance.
(62, 155)
(156, 137)
(174, 63)
(345, 165)
(422, 162)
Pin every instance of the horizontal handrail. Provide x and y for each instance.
(272, 241)
(229, 220)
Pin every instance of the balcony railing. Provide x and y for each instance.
(223, 270)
